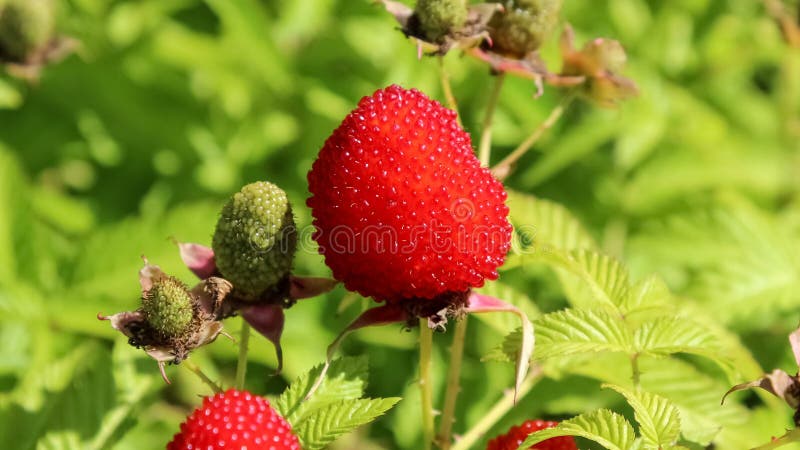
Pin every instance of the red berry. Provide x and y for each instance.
(402, 206)
(235, 420)
(517, 434)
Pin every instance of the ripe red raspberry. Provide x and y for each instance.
(235, 420)
(518, 433)
(402, 206)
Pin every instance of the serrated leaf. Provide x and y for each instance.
(589, 279)
(659, 421)
(695, 394)
(572, 331)
(324, 425)
(542, 224)
(667, 335)
(605, 427)
(648, 294)
(569, 332)
(346, 380)
(508, 350)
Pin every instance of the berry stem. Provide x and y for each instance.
(504, 167)
(497, 412)
(485, 147)
(241, 366)
(448, 90)
(425, 350)
(203, 377)
(453, 387)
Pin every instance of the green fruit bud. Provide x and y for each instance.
(168, 307)
(255, 239)
(524, 26)
(25, 26)
(437, 18)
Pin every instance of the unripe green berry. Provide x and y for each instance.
(524, 26)
(437, 18)
(168, 307)
(25, 26)
(255, 239)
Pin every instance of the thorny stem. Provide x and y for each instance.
(498, 411)
(453, 385)
(448, 90)
(425, 349)
(203, 377)
(485, 147)
(504, 167)
(241, 366)
(786, 439)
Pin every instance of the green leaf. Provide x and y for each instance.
(733, 254)
(326, 424)
(572, 331)
(589, 279)
(694, 393)
(668, 335)
(647, 295)
(508, 350)
(80, 390)
(346, 380)
(659, 422)
(569, 332)
(543, 225)
(131, 389)
(605, 427)
(60, 440)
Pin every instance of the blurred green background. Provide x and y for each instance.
(169, 106)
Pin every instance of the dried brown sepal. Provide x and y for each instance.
(472, 34)
(208, 300)
(598, 63)
(777, 383)
(220, 299)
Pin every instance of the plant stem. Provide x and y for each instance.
(197, 371)
(426, 393)
(241, 366)
(453, 385)
(485, 147)
(448, 90)
(790, 436)
(498, 411)
(504, 167)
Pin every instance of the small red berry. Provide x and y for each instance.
(517, 434)
(402, 206)
(235, 420)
